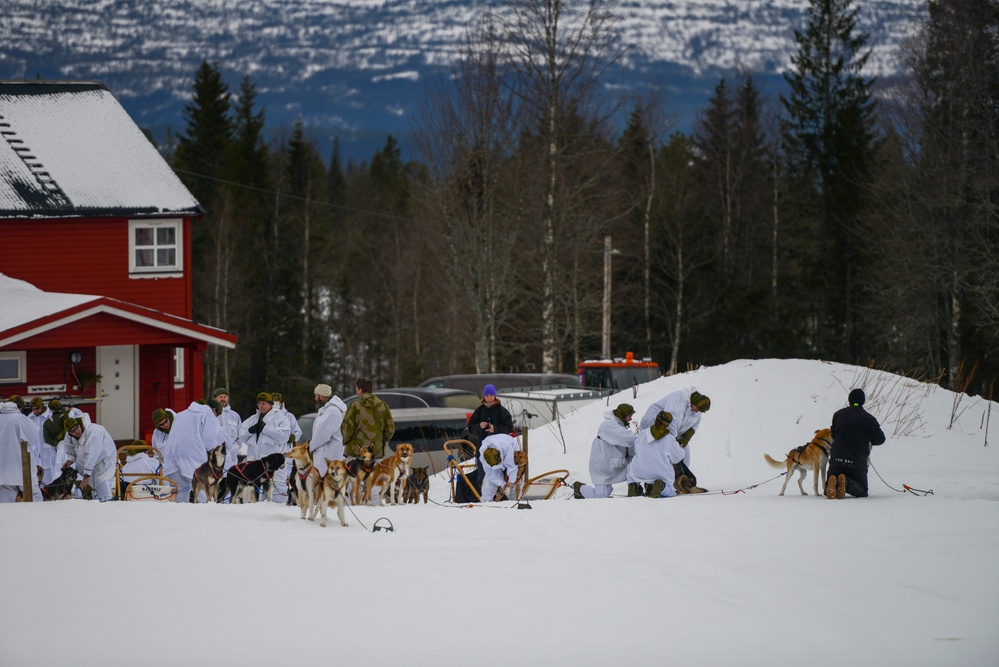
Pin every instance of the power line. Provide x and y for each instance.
(318, 202)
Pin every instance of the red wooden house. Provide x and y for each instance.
(95, 255)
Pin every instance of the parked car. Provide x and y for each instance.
(427, 429)
(425, 397)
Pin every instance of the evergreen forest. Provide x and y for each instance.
(848, 219)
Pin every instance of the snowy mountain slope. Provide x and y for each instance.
(354, 66)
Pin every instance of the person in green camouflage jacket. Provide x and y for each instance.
(368, 421)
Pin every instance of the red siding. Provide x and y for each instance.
(89, 256)
(48, 367)
(155, 383)
(53, 367)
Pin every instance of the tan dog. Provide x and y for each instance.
(813, 454)
(305, 478)
(332, 492)
(387, 472)
(359, 468)
(520, 458)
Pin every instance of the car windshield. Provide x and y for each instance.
(610, 377)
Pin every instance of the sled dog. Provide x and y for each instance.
(812, 455)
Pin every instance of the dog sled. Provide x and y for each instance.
(466, 476)
(145, 485)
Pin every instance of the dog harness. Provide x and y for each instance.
(355, 465)
(337, 491)
(801, 450)
(240, 467)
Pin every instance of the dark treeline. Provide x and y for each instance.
(845, 221)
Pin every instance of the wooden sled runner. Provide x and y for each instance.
(151, 487)
(461, 464)
(543, 486)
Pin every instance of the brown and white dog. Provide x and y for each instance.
(520, 458)
(332, 492)
(304, 478)
(359, 468)
(813, 454)
(208, 476)
(387, 472)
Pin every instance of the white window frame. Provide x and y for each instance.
(22, 367)
(176, 269)
(178, 367)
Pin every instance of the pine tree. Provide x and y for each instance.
(733, 184)
(248, 285)
(632, 325)
(207, 133)
(199, 160)
(828, 134)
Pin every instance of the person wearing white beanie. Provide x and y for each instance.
(327, 441)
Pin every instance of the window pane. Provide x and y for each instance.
(8, 369)
(166, 236)
(144, 258)
(143, 236)
(166, 257)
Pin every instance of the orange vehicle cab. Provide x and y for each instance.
(617, 373)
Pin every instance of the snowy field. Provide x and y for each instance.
(737, 578)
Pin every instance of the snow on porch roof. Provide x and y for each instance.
(69, 149)
(26, 311)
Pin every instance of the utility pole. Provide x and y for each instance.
(605, 348)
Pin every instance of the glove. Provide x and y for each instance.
(257, 428)
(685, 437)
(291, 439)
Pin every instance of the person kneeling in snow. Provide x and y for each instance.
(854, 432)
(656, 451)
(610, 453)
(498, 466)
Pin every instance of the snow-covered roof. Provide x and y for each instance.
(69, 149)
(26, 311)
(22, 302)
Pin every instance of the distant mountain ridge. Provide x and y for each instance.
(356, 68)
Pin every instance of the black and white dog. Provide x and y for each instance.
(208, 476)
(244, 480)
(62, 487)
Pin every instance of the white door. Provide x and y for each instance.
(117, 410)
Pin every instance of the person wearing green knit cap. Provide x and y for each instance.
(651, 472)
(610, 453)
(686, 406)
(91, 450)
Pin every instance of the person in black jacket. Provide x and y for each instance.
(489, 418)
(854, 432)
